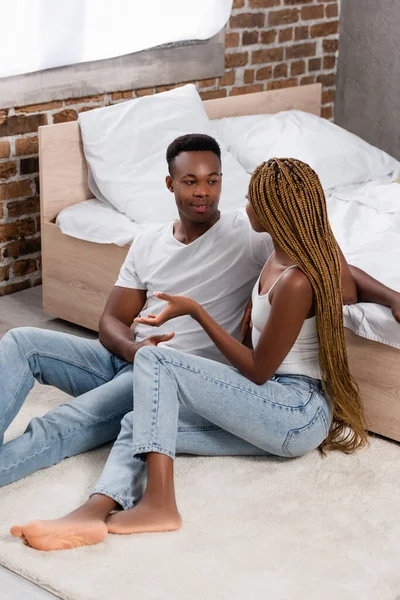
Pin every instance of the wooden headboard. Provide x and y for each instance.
(63, 170)
(306, 98)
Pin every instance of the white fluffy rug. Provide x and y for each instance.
(302, 529)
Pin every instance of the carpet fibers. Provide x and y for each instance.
(305, 529)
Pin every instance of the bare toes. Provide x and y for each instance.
(16, 531)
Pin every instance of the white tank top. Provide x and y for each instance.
(303, 357)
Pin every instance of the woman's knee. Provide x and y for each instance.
(149, 360)
(148, 353)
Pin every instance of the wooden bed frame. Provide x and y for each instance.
(78, 275)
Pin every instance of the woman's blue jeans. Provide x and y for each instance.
(286, 416)
(226, 415)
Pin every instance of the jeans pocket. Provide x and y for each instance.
(304, 439)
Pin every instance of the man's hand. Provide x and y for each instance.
(395, 307)
(177, 306)
(152, 340)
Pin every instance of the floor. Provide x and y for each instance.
(25, 308)
(16, 310)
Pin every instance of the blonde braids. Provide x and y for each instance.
(289, 202)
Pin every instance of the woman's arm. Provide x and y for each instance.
(291, 303)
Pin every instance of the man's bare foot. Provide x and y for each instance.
(61, 534)
(84, 527)
(146, 517)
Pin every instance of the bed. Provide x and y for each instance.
(78, 275)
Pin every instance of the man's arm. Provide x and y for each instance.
(123, 306)
(358, 286)
(371, 290)
(349, 286)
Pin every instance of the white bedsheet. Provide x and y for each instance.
(366, 222)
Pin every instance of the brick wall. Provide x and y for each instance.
(270, 44)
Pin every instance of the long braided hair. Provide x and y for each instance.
(289, 202)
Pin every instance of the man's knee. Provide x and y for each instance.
(19, 335)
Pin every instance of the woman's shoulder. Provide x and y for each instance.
(295, 282)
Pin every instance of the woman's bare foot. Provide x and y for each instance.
(157, 511)
(85, 526)
(146, 517)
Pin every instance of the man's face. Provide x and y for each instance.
(196, 182)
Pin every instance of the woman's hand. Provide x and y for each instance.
(177, 306)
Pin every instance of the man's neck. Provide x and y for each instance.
(186, 231)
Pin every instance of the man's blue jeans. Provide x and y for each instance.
(102, 388)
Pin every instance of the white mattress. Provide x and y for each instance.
(365, 219)
(95, 221)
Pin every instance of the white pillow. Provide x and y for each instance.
(125, 146)
(338, 156)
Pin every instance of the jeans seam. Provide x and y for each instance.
(156, 400)
(68, 362)
(327, 427)
(307, 426)
(230, 385)
(139, 475)
(134, 480)
(60, 437)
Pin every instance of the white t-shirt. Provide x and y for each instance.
(218, 270)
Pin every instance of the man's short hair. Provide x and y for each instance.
(191, 142)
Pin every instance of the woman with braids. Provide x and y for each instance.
(289, 395)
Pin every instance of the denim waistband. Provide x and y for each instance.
(317, 383)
